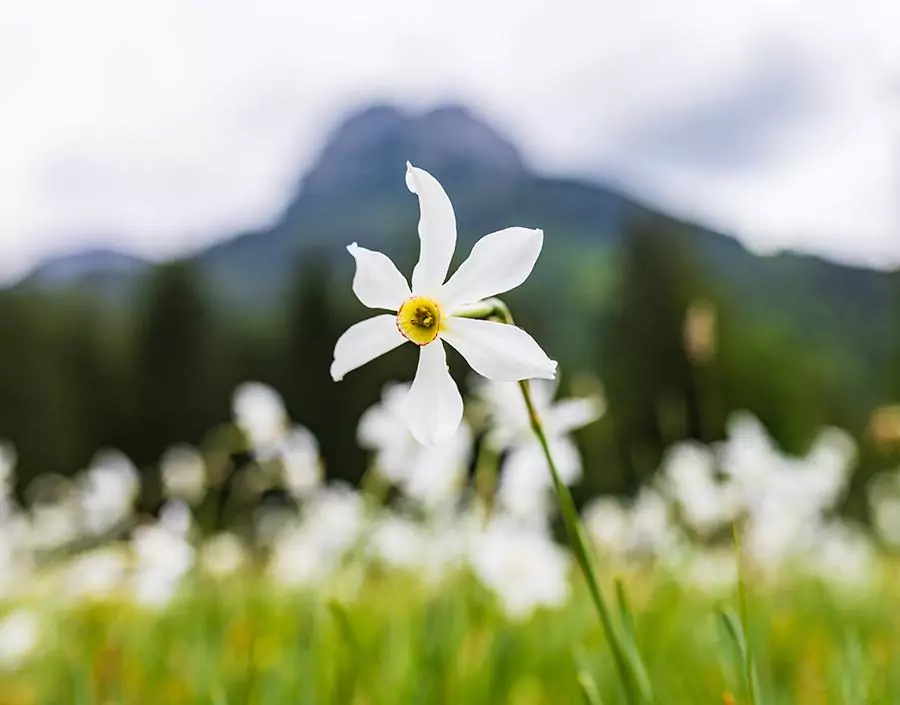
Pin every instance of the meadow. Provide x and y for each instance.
(438, 583)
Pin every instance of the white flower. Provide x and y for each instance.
(706, 504)
(426, 313)
(397, 542)
(95, 575)
(307, 554)
(651, 532)
(53, 525)
(259, 412)
(843, 555)
(162, 556)
(107, 491)
(223, 555)
(714, 572)
(183, 473)
(300, 462)
(607, 523)
(431, 474)
(19, 632)
(16, 561)
(524, 568)
(300, 559)
(640, 529)
(525, 480)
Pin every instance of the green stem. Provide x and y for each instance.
(631, 668)
(751, 679)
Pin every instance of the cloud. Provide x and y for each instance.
(156, 126)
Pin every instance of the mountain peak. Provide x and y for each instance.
(373, 145)
(68, 270)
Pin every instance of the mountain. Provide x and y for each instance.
(104, 273)
(355, 191)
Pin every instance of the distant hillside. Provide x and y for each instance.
(356, 191)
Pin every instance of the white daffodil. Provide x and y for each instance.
(433, 474)
(19, 634)
(428, 313)
(524, 568)
(525, 482)
(183, 473)
(259, 412)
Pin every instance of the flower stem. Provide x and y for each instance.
(631, 669)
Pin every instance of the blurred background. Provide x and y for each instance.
(717, 184)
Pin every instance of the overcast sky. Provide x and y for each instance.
(156, 126)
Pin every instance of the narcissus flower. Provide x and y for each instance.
(428, 313)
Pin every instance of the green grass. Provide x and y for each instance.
(398, 642)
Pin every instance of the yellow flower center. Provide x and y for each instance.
(419, 319)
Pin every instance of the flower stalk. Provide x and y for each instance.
(631, 669)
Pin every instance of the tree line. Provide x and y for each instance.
(673, 357)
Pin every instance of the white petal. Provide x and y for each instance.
(498, 262)
(437, 231)
(571, 414)
(434, 406)
(498, 351)
(542, 392)
(363, 342)
(527, 468)
(377, 283)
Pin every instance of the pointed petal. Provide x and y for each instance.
(363, 342)
(498, 262)
(571, 414)
(498, 351)
(434, 406)
(437, 231)
(377, 283)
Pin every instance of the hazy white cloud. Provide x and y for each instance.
(156, 126)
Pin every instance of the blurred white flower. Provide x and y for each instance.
(107, 491)
(607, 523)
(19, 635)
(432, 474)
(705, 504)
(397, 542)
(525, 569)
(306, 554)
(299, 559)
(53, 525)
(183, 473)
(427, 313)
(96, 574)
(651, 532)
(259, 412)
(843, 555)
(525, 481)
(639, 528)
(300, 461)
(223, 555)
(176, 518)
(163, 556)
(711, 571)
(16, 560)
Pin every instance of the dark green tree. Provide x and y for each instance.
(650, 380)
(180, 392)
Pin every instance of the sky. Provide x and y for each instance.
(158, 126)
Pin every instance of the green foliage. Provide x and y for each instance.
(397, 642)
